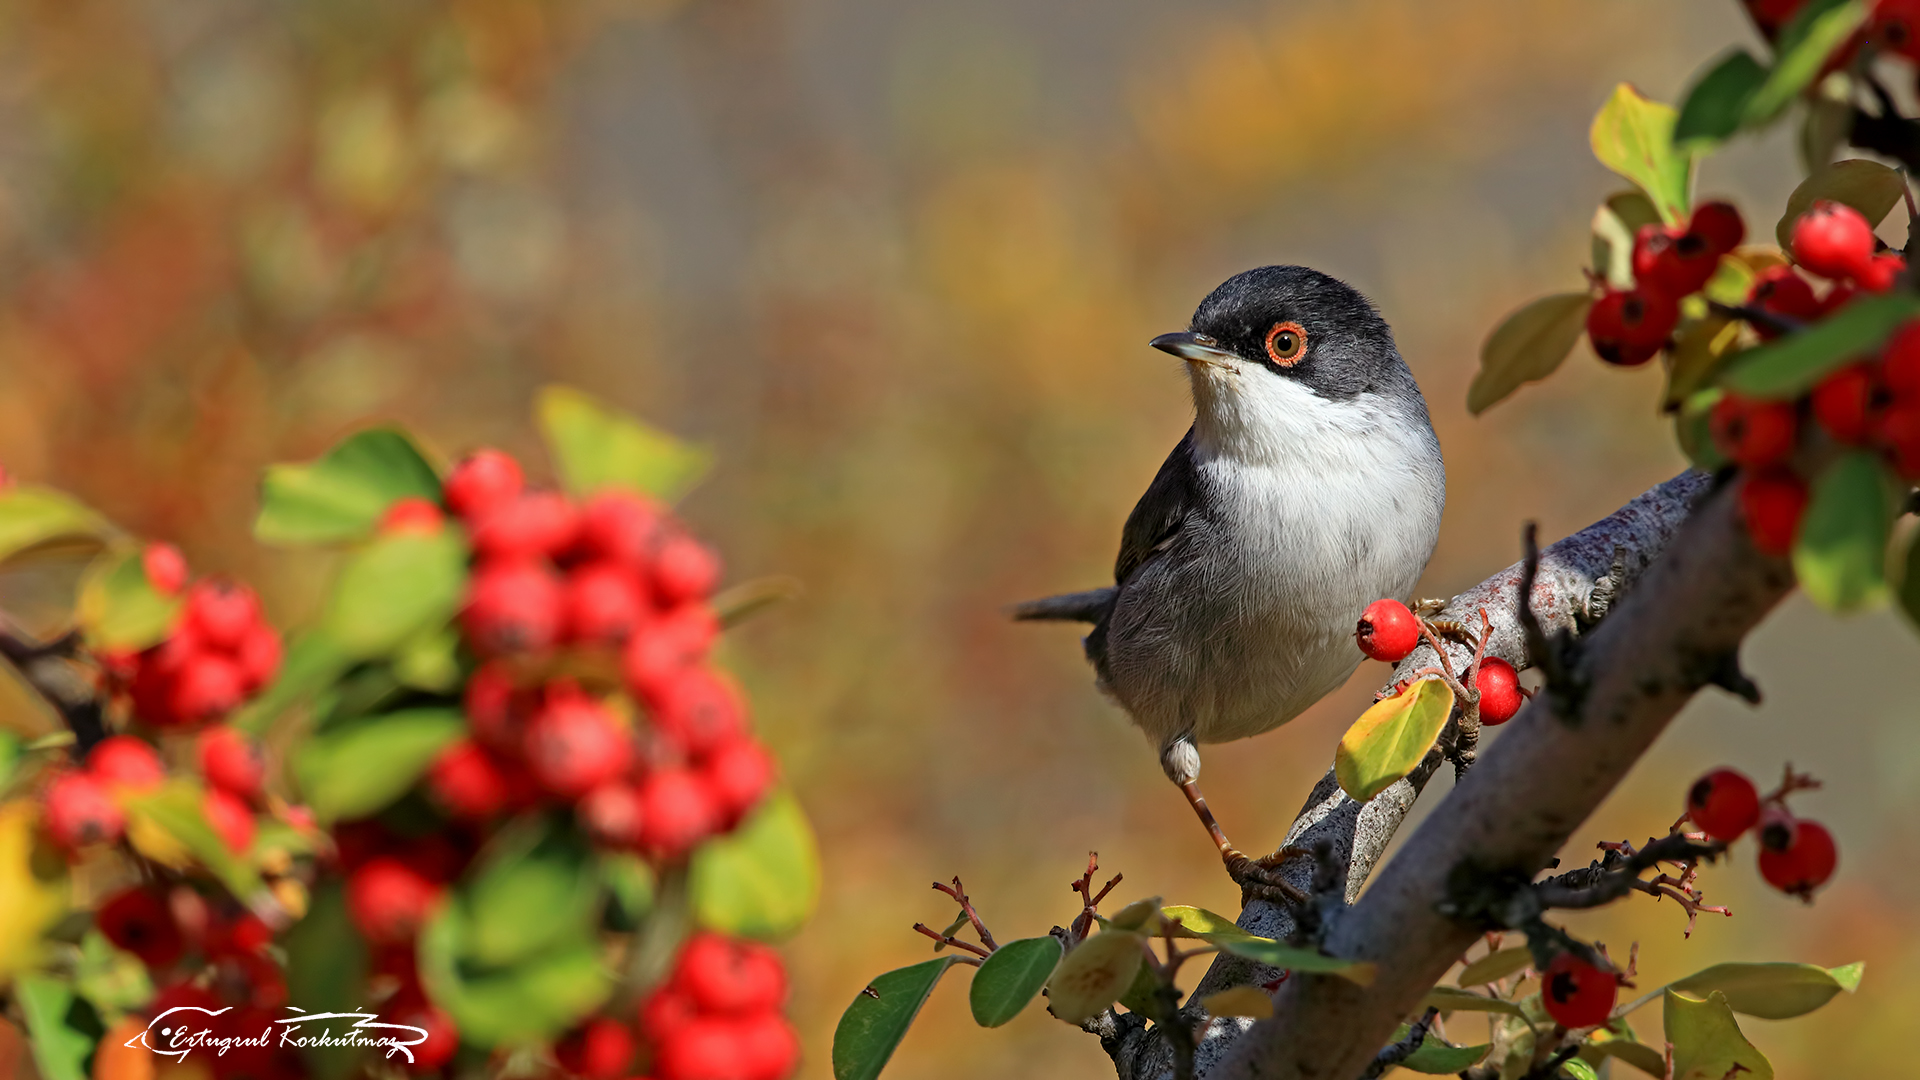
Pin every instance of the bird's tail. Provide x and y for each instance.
(1089, 607)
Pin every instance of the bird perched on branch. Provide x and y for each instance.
(1309, 485)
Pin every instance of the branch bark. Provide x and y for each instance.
(1577, 580)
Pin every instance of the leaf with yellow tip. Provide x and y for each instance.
(1239, 1001)
(1390, 739)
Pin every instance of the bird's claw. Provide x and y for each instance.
(1259, 879)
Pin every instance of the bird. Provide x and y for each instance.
(1309, 485)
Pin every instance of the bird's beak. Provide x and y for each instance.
(1194, 349)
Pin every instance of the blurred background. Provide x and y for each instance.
(896, 261)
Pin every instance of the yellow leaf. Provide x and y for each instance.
(1095, 974)
(1707, 1042)
(1239, 1001)
(33, 890)
(1697, 356)
(1633, 136)
(1196, 922)
(1389, 739)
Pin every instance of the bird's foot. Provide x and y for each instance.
(1259, 879)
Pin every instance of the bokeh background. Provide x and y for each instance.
(897, 261)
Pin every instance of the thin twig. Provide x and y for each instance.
(958, 892)
(945, 939)
(1402, 1050)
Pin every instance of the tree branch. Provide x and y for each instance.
(1610, 551)
(44, 667)
(1547, 773)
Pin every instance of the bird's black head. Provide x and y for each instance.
(1298, 324)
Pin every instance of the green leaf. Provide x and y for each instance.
(395, 589)
(1840, 552)
(119, 608)
(1634, 137)
(762, 880)
(1140, 915)
(874, 1024)
(1095, 974)
(1292, 958)
(168, 821)
(596, 448)
(1867, 186)
(1819, 28)
(1577, 1069)
(1011, 977)
(1391, 738)
(114, 981)
(313, 662)
(527, 1003)
(1447, 999)
(1718, 102)
(1693, 430)
(31, 516)
(536, 888)
(326, 962)
(1792, 365)
(63, 1026)
(1435, 1057)
(342, 495)
(1772, 991)
(1707, 1042)
(1197, 922)
(352, 771)
(1527, 347)
(1635, 1053)
(1497, 965)
(631, 886)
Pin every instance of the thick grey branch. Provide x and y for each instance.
(1617, 546)
(1662, 642)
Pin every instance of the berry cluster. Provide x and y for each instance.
(1670, 263)
(212, 955)
(1389, 631)
(717, 1017)
(1797, 855)
(615, 576)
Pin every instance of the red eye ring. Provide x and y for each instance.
(1286, 343)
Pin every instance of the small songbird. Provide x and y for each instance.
(1309, 485)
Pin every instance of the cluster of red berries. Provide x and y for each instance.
(618, 576)
(83, 806)
(717, 1017)
(219, 652)
(1389, 631)
(1797, 855)
(394, 884)
(1577, 992)
(209, 955)
(1670, 263)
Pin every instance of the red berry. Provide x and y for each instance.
(127, 762)
(1779, 290)
(1833, 240)
(738, 772)
(1881, 272)
(620, 527)
(1629, 327)
(411, 515)
(1896, 26)
(465, 782)
(1798, 860)
(1772, 503)
(684, 569)
(769, 1048)
(700, 709)
(1897, 430)
(1719, 224)
(677, 811)
(662, 648)
(388, 899)
(1387, 631)
(1576, 993)
(482, 481)
(603, 603)
(80, 811)
(1672, 261)
(666, 1011)
(537, 524)
(1754, 433)
(259, 657)
(574, 745)
(705, 1048)
(443, 1037)
(728, 976)
(208, 686)
(610, 814)
(232, 761)
(232, 821)
(512, 607)
(139, 921)
(242, 935)
(1499, 687)
(600, 1049)
(495, 707)
(165, 567)
(222, 612)
(1724, 804)
(1900, 361)
(1845, 402)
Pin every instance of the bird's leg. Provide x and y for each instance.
(1256, 877)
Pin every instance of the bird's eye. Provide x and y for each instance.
(1285, 343)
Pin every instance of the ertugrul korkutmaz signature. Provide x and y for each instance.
(174, 1033)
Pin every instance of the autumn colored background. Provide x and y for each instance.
(896, 262)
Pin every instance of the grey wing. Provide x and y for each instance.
(1154, 525)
